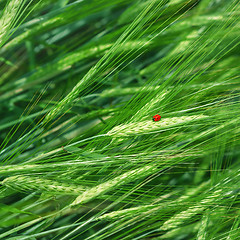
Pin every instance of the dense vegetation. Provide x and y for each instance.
(81, 157)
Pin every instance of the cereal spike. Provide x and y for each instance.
(26, 183)
(146, 127)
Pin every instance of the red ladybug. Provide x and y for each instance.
(156, 118)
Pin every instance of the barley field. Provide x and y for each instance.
(120, 119)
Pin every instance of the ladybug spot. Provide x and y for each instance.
(156, 118)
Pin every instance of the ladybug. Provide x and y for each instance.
(156, 118)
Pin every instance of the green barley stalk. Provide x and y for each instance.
(148, 126)
(202, 228)
(207, 202)
(114, 183)
(156, 205)
(28, 183)
(9, 18)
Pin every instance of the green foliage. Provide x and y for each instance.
(81, 157)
